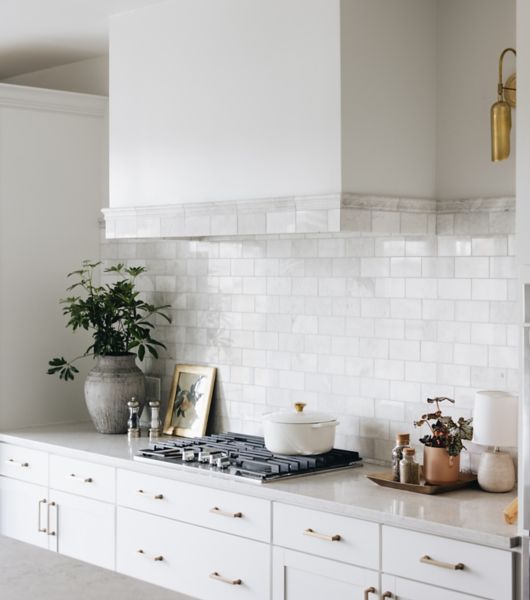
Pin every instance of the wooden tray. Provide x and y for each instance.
(385, 478)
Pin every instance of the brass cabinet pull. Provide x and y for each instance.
(219, 577)
(320, 536)
(368, 591)
(151, 495)
(39, 524)
(217, 511)
(387, 595)
(50, 504)
(17, 462)
(438, 563)
(81, 479)
(157, 558)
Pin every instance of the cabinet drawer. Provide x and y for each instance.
(208, 507)
(82, 478)
(331, 536)
(23, 463)
(483, 571)
(196, 561)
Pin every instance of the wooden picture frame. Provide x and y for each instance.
(189, 401)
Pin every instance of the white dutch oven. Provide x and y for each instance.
(299, 432)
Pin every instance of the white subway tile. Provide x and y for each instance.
(405, 309)
(305, 324)
(503, 357)
(473, 311)
(490, 246)
(454, 374)
(420, 372)
(439, 267)
(471, 266)
(328, 286)
(489, 289)
(334, 365)
(405, 391)
(421, 246)
(440, 310)
(421, 288)
(390, 328)
(389, 287)
(436, 352)
(471, 354)
(405, 266)
(404, 350)
(389, 369)
(385, 222)
(375, 267)
(453, 332)
(455, 289)
(454, 246)
(391, 246)
(375, 307)
(331, 248)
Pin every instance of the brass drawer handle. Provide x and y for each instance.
(217, 511)
(16, 462)
(218, 577)
(157, 558)
(387, 595)
(320, 536)
(438, 563)
(50, 504)
(150, 495)
(81, 479)
(368, 591)
(39, 524)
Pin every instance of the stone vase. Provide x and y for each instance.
(439, 467)
(108, 387)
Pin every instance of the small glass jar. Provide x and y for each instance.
(409, 469)
(402, 441)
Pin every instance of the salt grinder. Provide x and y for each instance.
(133, 424)
(154, 428)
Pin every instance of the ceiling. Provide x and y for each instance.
(37, 34)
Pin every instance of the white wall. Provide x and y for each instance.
(52, 167)
(471, 36)
(232, 99)
(523, 134)
(90, 76)
(388, 97)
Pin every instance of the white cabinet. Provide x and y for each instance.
(193, 560)
(299, 576)
(23, 511)
(83, 528)
(395, 588)
(467, 568)
(74, 524)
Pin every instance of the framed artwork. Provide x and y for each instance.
(189, 401)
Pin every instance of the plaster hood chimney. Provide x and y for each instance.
(270, 116)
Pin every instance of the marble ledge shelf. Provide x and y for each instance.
(313, 214)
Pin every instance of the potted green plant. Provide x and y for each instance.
(441, 457)
(121, 325)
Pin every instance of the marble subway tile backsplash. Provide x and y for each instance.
(364, 326)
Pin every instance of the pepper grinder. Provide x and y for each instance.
(154, 428)
(133, 424)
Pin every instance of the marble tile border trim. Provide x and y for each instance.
(333, 213)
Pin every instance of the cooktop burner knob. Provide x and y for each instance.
(188, 455)
(222, 463)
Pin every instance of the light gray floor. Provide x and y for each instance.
(30, 573)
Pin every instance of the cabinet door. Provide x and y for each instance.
(404, 589)
(83, 528)
(205, 564)
(297, 575)
(23, 511)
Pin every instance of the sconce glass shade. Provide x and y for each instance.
(501, 126)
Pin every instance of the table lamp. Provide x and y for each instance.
(495, 424)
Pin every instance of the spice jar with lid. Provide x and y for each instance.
(409, 469)
(402, 441)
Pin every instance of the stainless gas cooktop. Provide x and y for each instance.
(242, 456)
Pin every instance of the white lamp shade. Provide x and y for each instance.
(495, 419)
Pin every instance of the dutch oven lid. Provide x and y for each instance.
(298, 416)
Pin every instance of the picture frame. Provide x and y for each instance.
(189, 401)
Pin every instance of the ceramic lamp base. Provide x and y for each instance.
(496, 472)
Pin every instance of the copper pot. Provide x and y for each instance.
(439, 467)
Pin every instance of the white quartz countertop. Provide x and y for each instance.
(31, 573)
(469, 515)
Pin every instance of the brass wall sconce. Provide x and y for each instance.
(501, 113)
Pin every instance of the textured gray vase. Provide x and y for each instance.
(108, 387)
